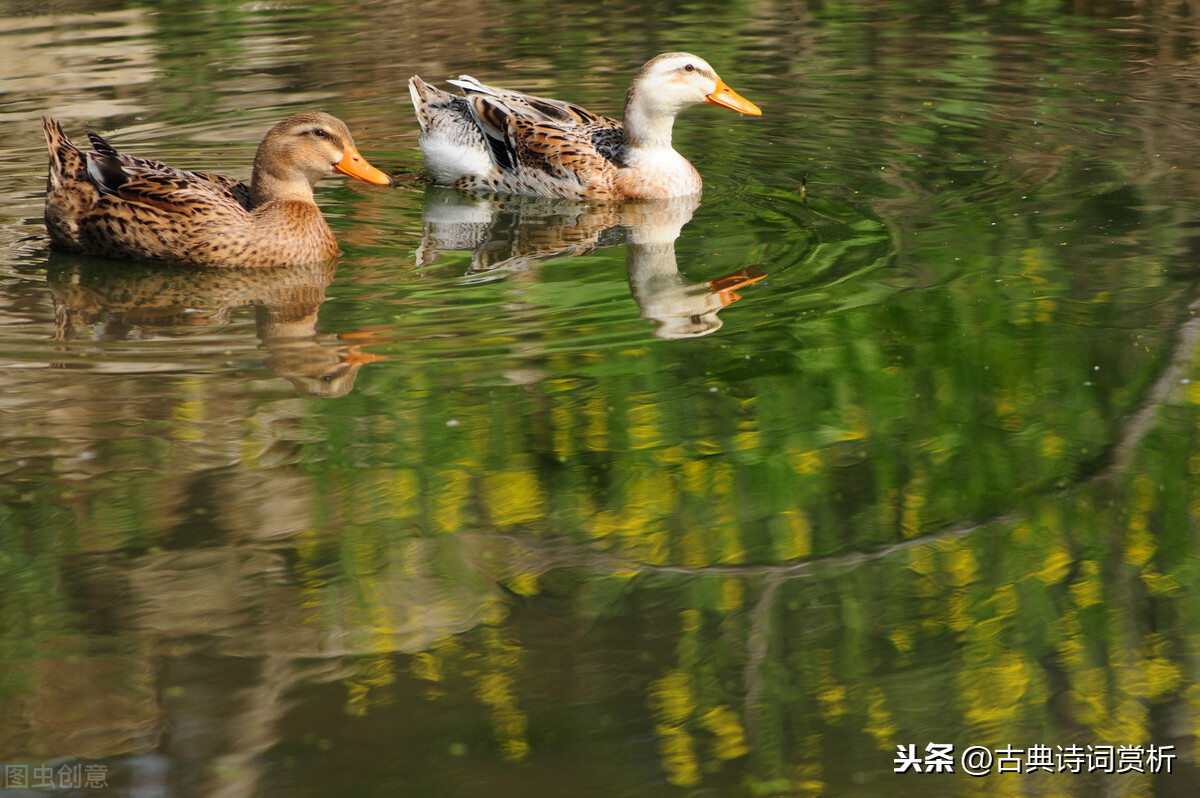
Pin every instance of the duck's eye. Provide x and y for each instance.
(689, 68)
(319, 132)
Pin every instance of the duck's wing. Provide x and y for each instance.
(561, 152)
(189, 194)
(541, 109)
(110, 168)
(524, 131)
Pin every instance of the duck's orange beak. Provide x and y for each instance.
(356, 357)
(726, 287)
(355, 165)
(729, 98)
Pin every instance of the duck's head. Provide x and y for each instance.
(301, 150)
(670, 82)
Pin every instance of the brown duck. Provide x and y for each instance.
(113, 205)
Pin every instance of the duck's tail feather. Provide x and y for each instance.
(470, 84)
(100, 145)
(66, 161)
(426, 99)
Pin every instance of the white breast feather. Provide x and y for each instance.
(448, 160)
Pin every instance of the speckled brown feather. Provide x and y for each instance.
(552, 145)
(132, 165)
(135, 208)
(566, 154)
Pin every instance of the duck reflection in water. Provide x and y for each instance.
(122, 301)
(508, 234)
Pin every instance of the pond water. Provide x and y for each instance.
(891, 440)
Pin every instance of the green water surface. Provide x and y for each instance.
(892, 439)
